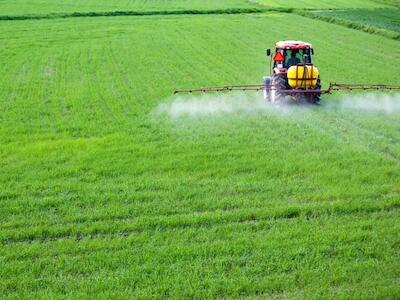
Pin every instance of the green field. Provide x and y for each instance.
(45, 7)
(387, 19)
(326, 4)
(379, 21)
(23, 7)
(113, 188)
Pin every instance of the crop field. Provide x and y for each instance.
(327, 4)
(387, 19)
(45, 7)
(111, 187)
(22, 7)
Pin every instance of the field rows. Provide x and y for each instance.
(22, 7)
(82, 66)
(219, 249)
(219, 233)
(380, 18)
(328, 4)
(103, 195)
(382, 21)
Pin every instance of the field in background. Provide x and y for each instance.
(103, 194)
(326, 4)
(22, 7)
(44, 7)
(387, 19)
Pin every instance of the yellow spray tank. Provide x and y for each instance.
(303, 76)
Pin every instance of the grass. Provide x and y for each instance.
(45, 7)
(386, 19)
(394, 3)
(327, 4)
(377, 21)
(101, 197)
(227, 11)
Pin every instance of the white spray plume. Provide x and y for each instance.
(213, 105)
(371, 102)
(219, 104)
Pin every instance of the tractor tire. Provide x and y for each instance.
(279, 82)
(317, 96)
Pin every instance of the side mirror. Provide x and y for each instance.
(268, 52)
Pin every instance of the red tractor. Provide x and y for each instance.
(292, 73)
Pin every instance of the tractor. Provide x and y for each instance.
(293, 73)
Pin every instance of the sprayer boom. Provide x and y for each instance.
(269, 87)
(343, 86)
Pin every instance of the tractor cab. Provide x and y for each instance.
(290, 53)
(292, 70)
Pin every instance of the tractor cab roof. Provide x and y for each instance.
(293, 45)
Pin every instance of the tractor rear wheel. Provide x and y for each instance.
(317, 96)
(279, 83)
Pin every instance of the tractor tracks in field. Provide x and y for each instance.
(366, 138)
(344, 131)
(167, 237)
(130, 225)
